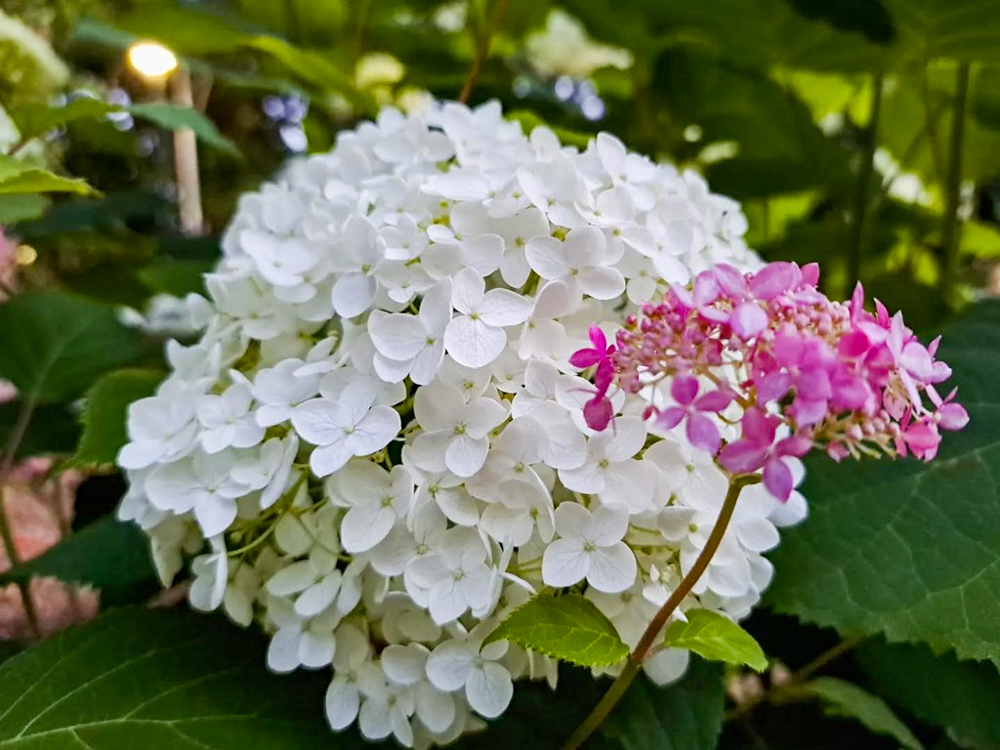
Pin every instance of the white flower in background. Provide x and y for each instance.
(377, 448)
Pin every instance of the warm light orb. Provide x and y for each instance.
(151, 59)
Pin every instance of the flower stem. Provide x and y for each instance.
(653, 630)
(483, 49)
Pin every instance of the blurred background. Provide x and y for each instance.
(863, 134)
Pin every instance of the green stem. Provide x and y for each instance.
(953, 185)
(653, 630)
(483, 49)
(867, 168)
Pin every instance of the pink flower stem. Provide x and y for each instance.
(654, 630)
(6, 533)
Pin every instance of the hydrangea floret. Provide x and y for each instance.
(381, 444)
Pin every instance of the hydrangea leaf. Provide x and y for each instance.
(110, 555)
(842, 698)
(174, 117)
(961, 696)
(716, 638)
(55, 345)
(18, 178)
(684, 716)
(907, 549)
(106, 410)
(568, 627)
(172, 680)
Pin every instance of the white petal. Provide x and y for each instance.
(318, 421)
(608, 526)
(283, 651)
(403, 665)
(215, 513)
(547, 257)
(489, 690)
(342, 703)
(473, 343)
(465, 454)
(319, 596)
(467, 290)
(290, 580)
(612, 569)
(666, 666)
(375, 431)
(375, 719)
(435, 708)
(449, 665)
(316, 649)
(329, 458)
(602, 282)
(564, 562)
(398, 337)
(353, 293)
(483, 254)
(364, 526)
(628, 438)
(502, 307)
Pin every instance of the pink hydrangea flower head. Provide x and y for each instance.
(805, 371)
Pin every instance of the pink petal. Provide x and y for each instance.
(702, 433)
(706, 289)
(742, 457)
(714, 401)
(597, 339)
(778, 479)
(731, 280)
(810, 274)
(807, 412)
(952, 416)
(797, 445)
(598, 413)
(748, 320)
(758, 428)
(585, 357)
(773, 279)
(684, 389)
(670, 418)
(788, 347)
(854, 344)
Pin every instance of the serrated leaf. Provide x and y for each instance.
(568, 627)
(105, 412)
(109, 554)
(170, 680)
(55, 345)
(907, 549)
(843, 698)
(174, 117)
(19, 178)
(961, 696)
(716, 638)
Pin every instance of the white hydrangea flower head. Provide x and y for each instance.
(376, 450)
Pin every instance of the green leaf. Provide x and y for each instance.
(846, 699)
(174, 117)
(966, 30)
(106, 410)
(716, 638)
(109, 554)
(55, 345)
(34, 119)
(18, 177)
(684, 716)
(53, 429)
(15, 208)
(178, 278)
(961, 696)
(907, 549)
(170, 680)
(568, 627)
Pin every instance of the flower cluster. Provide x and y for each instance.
(801, 370)
(378, 447)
